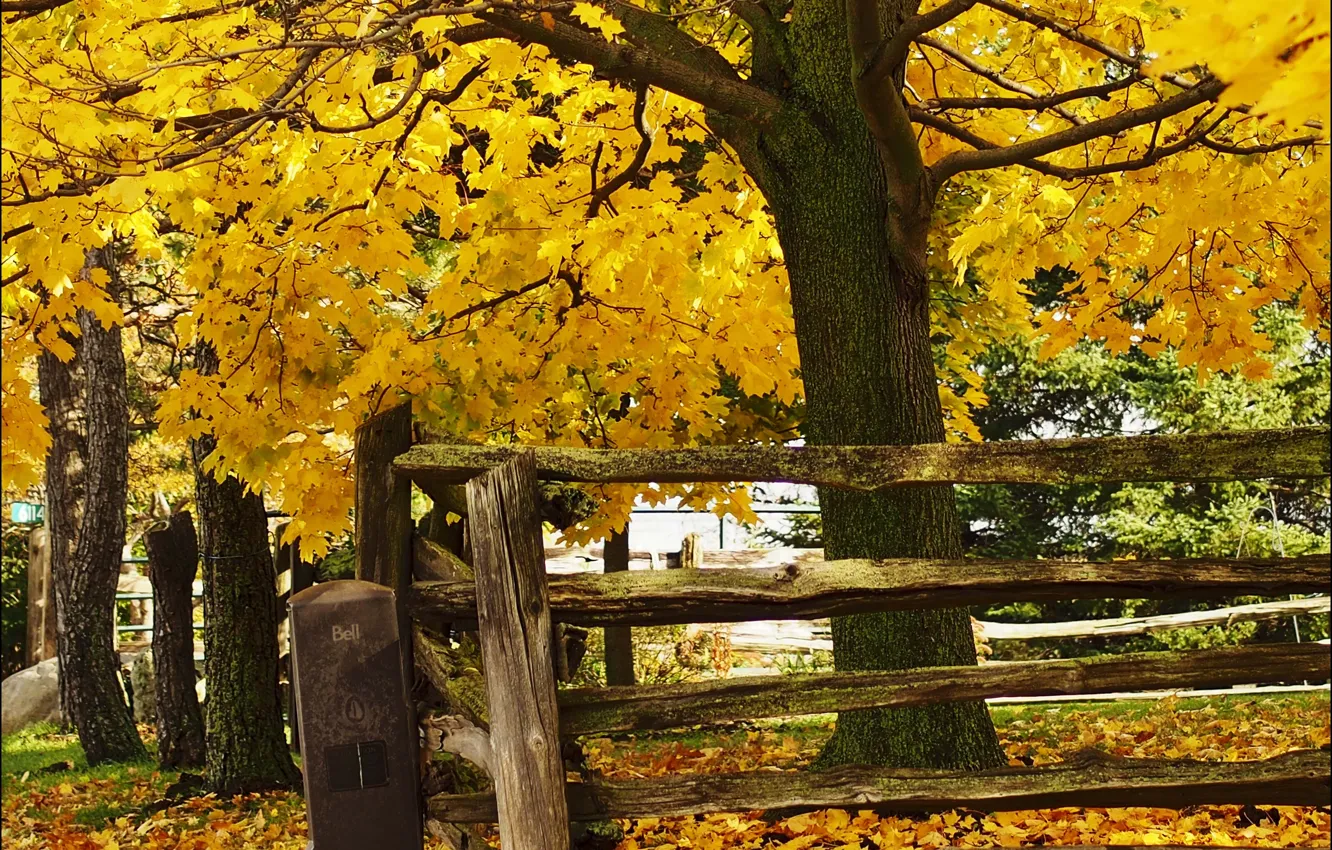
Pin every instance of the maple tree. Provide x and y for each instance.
(575, 222)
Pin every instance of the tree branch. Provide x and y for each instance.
(656, 32)
(892, 54)
(1250, 150)
(1024, 153)
(30, 7)
(1153, 155)
(1037, 103)
(727, 95)
(602, 195)
(1000, 80)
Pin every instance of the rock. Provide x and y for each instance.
(144, 680)
(30, 696)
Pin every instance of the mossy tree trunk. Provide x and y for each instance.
(86, 480)
(246, 750)
(852, 221)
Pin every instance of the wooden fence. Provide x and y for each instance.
(802, 636)
(516, 605)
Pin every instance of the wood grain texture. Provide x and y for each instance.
(1088, 779)
(831, 588)
(599, 710)
(515, 628)
(1223, 456)
(384, 513)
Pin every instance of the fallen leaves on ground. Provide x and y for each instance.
(116, 814)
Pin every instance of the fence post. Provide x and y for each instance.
(384, 513)
(41, 598)
(619, 639)
(513, 614)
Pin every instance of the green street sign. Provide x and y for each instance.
(27, 513)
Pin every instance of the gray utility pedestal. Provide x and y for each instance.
(359, 741)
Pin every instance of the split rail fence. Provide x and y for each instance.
(516, 605)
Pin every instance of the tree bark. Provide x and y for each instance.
(86, 479)
(243, 716)
(852, 234)
(173, 558)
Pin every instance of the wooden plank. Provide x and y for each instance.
(785, 636)
(384, 512)
(1122, 626)
(833, 588)
(1155, 696)
(1221, 456)
(1088, 779)
(514, 621)
(598, 710)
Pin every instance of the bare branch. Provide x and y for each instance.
(30, 7)
(657, 32)
(1154, 155)
(891, 54)
(730, 96)
(16, 276)
(1250, 150)
(1003, 82)
(1024, 153)
(602, 195)
(1073, 34)
(1035, 104)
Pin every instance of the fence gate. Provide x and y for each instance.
(514, 604)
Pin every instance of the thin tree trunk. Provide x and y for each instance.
(861, 305)
(86, 479)
(173, 558)
(243, 714)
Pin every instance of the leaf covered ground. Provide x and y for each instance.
(51, 799)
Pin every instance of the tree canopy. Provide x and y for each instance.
(533, 218)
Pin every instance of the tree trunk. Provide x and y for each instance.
(86, 479)
(173, 558)
(243, 716)
(856, 263)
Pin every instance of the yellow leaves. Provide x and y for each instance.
(1275, 56)
(597, 18)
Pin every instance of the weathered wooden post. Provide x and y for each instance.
(384, 512)
(619, 639)
(300, 575)
(41, 598)
(691, 552)
(513, 614)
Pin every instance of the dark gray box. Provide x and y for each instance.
(359, 741)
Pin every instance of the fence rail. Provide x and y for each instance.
(834, 588)
(513, 602)
(1297, 779)
(649, 707)
(1226, 456)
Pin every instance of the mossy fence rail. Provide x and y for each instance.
(516, 607)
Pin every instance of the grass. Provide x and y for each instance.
(37, 752)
